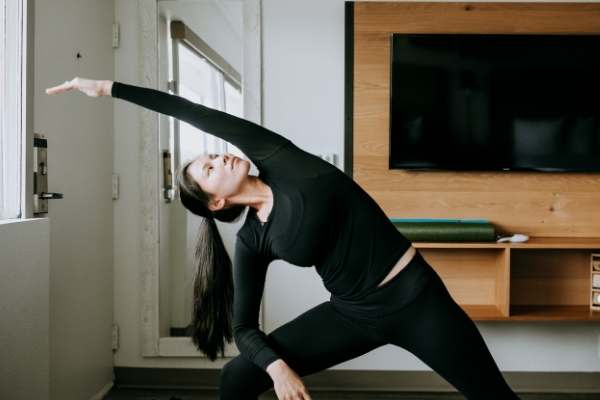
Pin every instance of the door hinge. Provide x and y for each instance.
(116, 35)
(115, 186)
(115, 337)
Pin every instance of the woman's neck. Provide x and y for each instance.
(254, 193)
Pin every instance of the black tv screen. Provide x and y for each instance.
(495, 102)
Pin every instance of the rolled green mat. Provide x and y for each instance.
(447, 231)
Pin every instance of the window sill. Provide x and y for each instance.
(20, 220)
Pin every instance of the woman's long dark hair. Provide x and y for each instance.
(213, 283)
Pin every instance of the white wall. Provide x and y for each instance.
(80, 157)
(303, 99)
(24, 309)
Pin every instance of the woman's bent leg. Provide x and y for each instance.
(437, 330)
(315, 340)
(242, 379)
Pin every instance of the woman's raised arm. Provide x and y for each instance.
(254, 140)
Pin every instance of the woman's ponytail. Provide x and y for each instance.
(213, 282)
(213, 292)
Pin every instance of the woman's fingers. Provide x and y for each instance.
(68, 85)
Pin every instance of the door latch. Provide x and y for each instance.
(40, 175)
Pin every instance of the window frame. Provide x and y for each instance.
(21, 90)
(153, 343)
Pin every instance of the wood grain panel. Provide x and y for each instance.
(468, 17)
(538, 204)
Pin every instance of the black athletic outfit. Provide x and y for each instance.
(321, 217)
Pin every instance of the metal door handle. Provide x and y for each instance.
(48, 196)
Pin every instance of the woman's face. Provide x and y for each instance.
(220, 175)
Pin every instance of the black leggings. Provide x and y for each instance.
(413, 310)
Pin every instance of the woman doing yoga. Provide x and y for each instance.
(307, 212)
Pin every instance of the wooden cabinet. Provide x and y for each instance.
(545, 279)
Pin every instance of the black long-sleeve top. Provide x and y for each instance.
(320, 217)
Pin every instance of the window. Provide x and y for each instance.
(199, 80)
(11, 113)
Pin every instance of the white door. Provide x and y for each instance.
(73, 249)
(24, 243)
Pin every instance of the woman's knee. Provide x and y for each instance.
(240, 378)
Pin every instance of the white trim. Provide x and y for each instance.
(20, 220)
(102, 392)
(149, 190)
(27, 109)
(152, 344)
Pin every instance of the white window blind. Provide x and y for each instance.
(11, 116)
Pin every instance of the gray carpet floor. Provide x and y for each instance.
(173, 394)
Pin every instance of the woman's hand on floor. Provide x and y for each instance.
(287, 383)
(92, 88)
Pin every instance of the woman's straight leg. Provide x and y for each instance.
(315, 340)
(436, 329)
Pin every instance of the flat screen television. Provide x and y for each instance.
(495, 102)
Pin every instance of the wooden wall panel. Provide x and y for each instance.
(539, 204)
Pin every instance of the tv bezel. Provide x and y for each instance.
(509, 168)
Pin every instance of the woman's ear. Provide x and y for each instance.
(217, 204)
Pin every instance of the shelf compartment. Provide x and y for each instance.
(550, 284)
(477, 278)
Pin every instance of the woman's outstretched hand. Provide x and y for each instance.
(92, 88)
(286, 382)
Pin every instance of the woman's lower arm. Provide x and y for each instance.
(275, 368)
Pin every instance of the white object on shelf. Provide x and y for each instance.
(596, 298)
(596, 281)
(516, 238)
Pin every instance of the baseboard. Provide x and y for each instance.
(105, 389)
(419, 381)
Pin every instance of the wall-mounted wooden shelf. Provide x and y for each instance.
(544, 279)
(532, 243)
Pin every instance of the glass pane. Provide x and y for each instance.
(10, 108)
(234, 106)
(200, 82)
(197, 84)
